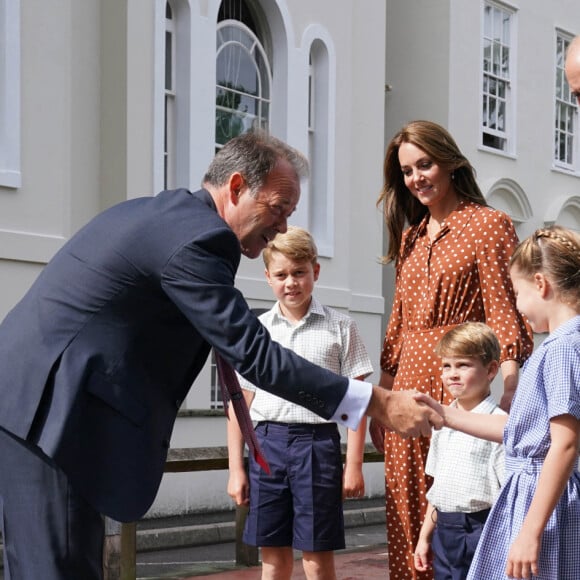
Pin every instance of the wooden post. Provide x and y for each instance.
(245, 555)
(119, 553)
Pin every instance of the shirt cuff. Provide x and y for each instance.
(354, 404)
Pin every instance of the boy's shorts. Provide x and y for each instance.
(300, 503)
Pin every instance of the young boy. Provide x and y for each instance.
(299, 505)
(467, 472)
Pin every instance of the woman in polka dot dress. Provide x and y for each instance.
(451, 266)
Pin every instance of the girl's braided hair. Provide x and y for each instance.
(555, 252)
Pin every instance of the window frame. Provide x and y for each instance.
(564, 101)
(507, 135)
(265, 76)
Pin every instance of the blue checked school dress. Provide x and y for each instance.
(549, 386)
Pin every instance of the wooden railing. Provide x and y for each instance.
(120, 554)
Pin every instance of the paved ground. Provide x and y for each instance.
(364, 564)
(364, 557)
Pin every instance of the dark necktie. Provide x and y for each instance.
(232, 391)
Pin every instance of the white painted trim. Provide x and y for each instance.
(158, 93)
(10, 175)
(29, 247)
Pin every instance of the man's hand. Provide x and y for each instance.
(408, 413)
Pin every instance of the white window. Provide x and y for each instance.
(169, 137)
(321, 198)
(497, 96)
(10, 93)
(566, 112)
(243, 80)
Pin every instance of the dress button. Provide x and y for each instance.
(344, 416)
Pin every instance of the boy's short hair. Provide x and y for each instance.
(474, 339)
(296, 244)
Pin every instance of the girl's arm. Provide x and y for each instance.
(509, 372)
(488, 427)
(558, 465)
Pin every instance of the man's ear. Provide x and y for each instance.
(236, 185)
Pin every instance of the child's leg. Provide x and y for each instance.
(319, 565)
(277, 563)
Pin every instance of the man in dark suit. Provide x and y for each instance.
(99, 354)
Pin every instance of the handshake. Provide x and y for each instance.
(409, 413)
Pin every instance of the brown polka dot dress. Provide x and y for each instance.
(460, 276)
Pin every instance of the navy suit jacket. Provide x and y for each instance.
(99, 354)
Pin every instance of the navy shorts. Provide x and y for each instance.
(454, 541)
(300, 503)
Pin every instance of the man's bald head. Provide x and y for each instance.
(572, 67)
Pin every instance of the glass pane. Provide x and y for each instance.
(493, 86)
(485, 112)
(227, 126)
(487, 14)
(501, 89)
(569, 146)
(505, 62)
(486, 55)
(497, 24)
(506, 28)
(496, 59)
(562, 147)
(501, 116)
(492, 113)
(559, 52)
(559, 74)
(168, 11)
(235, 69)
(168, 61)
(569, 119)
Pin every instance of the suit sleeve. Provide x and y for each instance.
(199, 279)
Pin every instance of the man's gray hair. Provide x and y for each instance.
(254, 155)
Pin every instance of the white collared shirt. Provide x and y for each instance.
(468, 472)
(325, 337)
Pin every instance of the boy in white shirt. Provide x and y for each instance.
(299, 505)
(467, 471)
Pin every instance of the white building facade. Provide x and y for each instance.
(105, 100)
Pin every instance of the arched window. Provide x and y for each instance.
(321, 201)
(508, 196)
(243, 75)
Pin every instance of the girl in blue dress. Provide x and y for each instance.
(533, 530)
